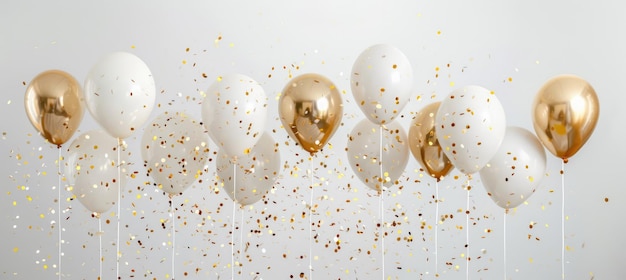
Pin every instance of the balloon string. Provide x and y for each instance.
(59, 210)
(100, 260)
(119, 208)
(381, 201)
(243, 210)
(563, 219)
(173, 213)
(436, 228)
(467, 211)
(232, 233)
(311, 221)
(504, 240)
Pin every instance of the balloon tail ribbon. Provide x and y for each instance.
(506, 211)
(232, 233)
(100, 260)
(243, 210)
(467, 213)
(311, 220)
(119, 208)
(381, 200)
(59, 210)
(437, 228)
(563, 219)
(173, 213)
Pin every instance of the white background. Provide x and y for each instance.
(470, 42)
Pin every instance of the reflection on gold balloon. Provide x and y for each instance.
(565, 113)
(310, 109)
(424, 144)
(54, 105)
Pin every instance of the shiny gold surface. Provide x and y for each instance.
(54, 105)
(424, 144)
(565, 113)
(310, 108)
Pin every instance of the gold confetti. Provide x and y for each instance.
(218, 39)
(560, 129)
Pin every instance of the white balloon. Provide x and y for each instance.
(516, 170)
(174, 148)
(470, 127)
(381, 82)
(256, 171)
(363, 150)
(91, 169)
(120, 93)
(235, 113)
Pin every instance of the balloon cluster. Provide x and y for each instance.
(466, 130)
(381, 82)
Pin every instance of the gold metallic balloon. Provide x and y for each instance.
(565, 112)
(424, 144)
(310, 109)
(54, 105)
